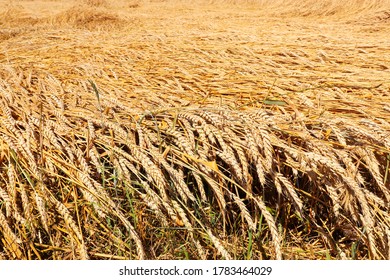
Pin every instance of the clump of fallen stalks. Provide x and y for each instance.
(100, 178)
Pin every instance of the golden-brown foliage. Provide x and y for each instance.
(186, 137)
(86, 17)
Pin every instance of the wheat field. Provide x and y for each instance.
(206, 130)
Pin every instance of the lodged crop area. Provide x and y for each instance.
(202, 130)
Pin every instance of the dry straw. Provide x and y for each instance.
(140, 145)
